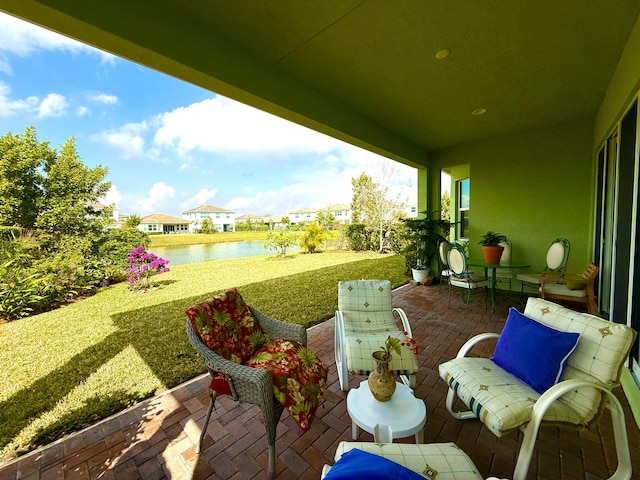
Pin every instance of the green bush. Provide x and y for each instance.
(19, 291)
(359, 237)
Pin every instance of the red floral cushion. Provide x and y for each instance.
(226, 326)
(298, 376)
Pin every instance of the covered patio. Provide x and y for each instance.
(156, 439)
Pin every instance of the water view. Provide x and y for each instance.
(183, 254)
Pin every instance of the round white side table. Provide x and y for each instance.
(402, 416)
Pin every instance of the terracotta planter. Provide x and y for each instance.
(381, 382)
(492, 254)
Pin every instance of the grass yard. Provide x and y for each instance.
(65, 369)
(200, 238)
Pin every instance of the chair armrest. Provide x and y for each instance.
(464, 349)
(405, 321)
(279, 329)
(547, 399)
(246, 383)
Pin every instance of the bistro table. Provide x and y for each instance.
(480, 262)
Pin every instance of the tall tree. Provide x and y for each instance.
(372, 204)
(71, 191)
(21, 161)
(43, 189)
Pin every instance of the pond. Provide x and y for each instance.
(183, 254)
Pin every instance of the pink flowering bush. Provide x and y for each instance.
(144, 265)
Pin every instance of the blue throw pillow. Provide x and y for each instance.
(360, 464)
(533, 352)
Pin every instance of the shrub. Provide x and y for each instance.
(359, 237)
(143, 266)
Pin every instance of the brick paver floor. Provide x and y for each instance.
(156, 439)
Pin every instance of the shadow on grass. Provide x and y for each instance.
(157, 333)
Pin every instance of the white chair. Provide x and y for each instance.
(557, 258)
(503, 402)
(364, 320)
(503, 274)
(443, 259)
(461, 277)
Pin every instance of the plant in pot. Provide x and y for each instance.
(492, 248)
(423, 236)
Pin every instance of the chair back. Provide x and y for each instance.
(558, 255)
(443, 252)
(457, 261)
(599, 356)
(506, 252)
(366, 305)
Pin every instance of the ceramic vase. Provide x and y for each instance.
(381, 383)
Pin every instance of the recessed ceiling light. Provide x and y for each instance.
(479, 111)
(444, 53)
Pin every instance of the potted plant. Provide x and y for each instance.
(492, 248)
(423, 236)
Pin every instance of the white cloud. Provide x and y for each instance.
(220, 124)
(23, 39)
(81, 111)
(200, 198)
(104, 98)
(113, 196)
(9, 107)
(54, 105)
(159, 199)
(128, 139)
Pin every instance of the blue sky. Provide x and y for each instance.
(171, 146)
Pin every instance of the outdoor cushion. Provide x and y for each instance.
(602, 347)
(298, 376)
(562, 289)
(434, 461)
(359, 464)
(532, 351)
(225, 325)
(358, 348)
(498, 398)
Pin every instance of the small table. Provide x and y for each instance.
(479, 262)
(402, 416)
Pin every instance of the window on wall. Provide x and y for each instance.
(463, 209)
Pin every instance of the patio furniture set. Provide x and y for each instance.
(551, 366)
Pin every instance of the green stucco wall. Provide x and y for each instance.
(532, 187)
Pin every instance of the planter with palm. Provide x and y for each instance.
(423, 237)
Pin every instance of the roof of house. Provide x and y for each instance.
(164, 219)
(208, 209)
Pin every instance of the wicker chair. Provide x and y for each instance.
(249, 385)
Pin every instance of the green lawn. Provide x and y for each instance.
(199, 238)
(65, 369)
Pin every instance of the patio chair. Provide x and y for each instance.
(551, 366)
(571, 287)
(504, 275)
(557, 258)
(462, 278)
(363, 321)
(443, 261)
(241, 348)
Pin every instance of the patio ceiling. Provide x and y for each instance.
(366, 71)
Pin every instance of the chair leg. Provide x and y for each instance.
(341, 358)
(451, 395)
(212, 395)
